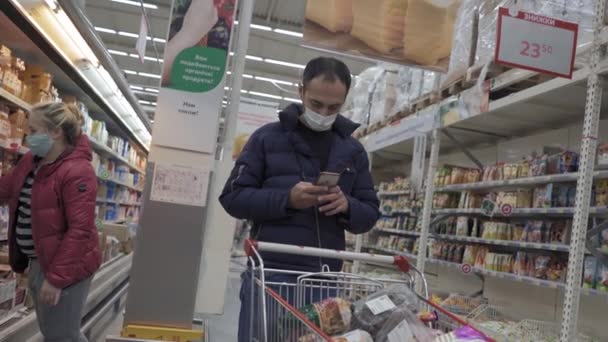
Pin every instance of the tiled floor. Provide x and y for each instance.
(220, 328)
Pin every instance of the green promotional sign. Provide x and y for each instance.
(198, 69)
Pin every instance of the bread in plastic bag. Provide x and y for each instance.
(355, 336)
(404, 325)
(370, 313)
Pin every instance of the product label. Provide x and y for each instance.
(380, 305)
(401, 333)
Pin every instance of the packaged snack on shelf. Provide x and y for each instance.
(538, 166)
(462, 226)
(602, 154)
(543, 196)
(604, 241)
(556, 271)
(602, 278)
(558, 232)
(541, 266)
(520, 266)
(372, 312)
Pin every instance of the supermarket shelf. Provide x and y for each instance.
(397, 212)
(500, 275)
(105, 150)
(119, 183)
(393, 193)
(19, 150)
(5, 95)
(110, 201)
(522, 212)
(397, 231)
(528, 181)
(507, 243)
(106, 280)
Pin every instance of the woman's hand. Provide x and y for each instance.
(49, 294)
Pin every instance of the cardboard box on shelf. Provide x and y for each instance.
(19, 118)
(122, 235)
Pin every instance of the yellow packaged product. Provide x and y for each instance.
(379, 24)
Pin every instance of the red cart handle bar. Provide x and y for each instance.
(399, 261)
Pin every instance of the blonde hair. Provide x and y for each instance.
(61, 115)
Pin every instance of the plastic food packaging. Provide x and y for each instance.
(541, 266)
(355, 336)
(334, 15)
(460, 58)
(385, 32)
(332, 315)
(464, 334)
(404, 325)
(602, 279)
(370, 313)
(428, 30)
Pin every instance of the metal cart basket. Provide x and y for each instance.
(274, 316)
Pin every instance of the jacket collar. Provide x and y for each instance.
(289, 119)
(81, 150)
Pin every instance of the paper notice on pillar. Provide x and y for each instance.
(180, 185)
(192, 81)
(409, 32)
(253, 114)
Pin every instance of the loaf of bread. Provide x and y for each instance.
(380, 23)
(428, 31)
(334, 15)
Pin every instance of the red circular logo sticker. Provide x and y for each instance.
(506, 209)
(466, 268)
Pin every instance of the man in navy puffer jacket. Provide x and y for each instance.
(272, 183)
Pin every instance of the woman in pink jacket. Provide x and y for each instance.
(51, 194)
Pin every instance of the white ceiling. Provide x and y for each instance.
(118, 26)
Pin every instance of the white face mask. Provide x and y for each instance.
(316, 121)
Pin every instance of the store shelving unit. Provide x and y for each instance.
(550, 104)
(29, 41)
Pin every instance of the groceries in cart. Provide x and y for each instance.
(393, 314)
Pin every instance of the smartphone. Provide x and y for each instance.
(328, 179)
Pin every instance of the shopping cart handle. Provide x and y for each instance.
(400, 261)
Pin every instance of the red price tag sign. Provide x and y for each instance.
(536, 43)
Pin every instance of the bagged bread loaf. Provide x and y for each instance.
(379, 24)
(334, 15)
(428, 30)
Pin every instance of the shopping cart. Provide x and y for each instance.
(277, 318)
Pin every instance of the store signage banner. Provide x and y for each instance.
(536, 43)
(415, 33)
(192, 81)
(404, 129)
(252, 115)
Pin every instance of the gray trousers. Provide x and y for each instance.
(59, 323)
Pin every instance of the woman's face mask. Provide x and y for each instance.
(40, 144)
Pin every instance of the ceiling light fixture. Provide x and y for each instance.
(247, 76)
(152, 90)
(130, 72)
(135, 3)
(105, 30)
(145, 102)
(292, 100)
(272, 80)
(261, 27)
(116, 52)
(289, 33)
(136, 87)
(254, 58)
(287, 64)
(128, 34)
(145, 74)
(270, 96)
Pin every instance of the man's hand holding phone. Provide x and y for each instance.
(334, 202)
(305, 195)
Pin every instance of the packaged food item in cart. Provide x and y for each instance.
(332, 315)
(404, 325)
(463, 334)
(355, 336)
(370, 313)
